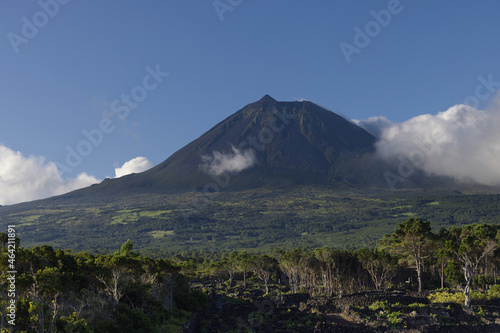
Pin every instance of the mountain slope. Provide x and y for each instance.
(282, 143)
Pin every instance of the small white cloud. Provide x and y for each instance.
(233, 162)
(136, 165)
(31, 178)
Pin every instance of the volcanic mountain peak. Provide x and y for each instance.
(266, 143)
(267, 98)
(269, 143)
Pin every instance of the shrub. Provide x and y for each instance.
(384, 305)
(480, 312)
(72, 324)
(447, 297)
(393, 318)
(416, 305)
(494, 291)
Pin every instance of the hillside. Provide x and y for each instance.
(254, 220)
(274, 174)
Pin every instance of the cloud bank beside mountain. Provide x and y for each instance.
(461, 142)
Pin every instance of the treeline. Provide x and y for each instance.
(58, 291)
(412, 257)
(61, 291)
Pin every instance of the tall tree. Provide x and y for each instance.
(471, 244)
(442, 255)
(412, 240)
(244, 264)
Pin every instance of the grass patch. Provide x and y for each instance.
(125, 218)
(27, 224)
(28, 219)
(154, 213)
(161, 233)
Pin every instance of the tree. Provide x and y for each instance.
(443, 255)
(221, 267)
(309, 271)
(115, 284)
(263, 267)
(453, 272)
(470, 245)
(126, 249)
(326, 258)
(230, 266)
(244, 264)
(290, 265)
(411, 240)
(380, 265)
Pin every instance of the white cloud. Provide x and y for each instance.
(30, 178)
(136, 165)
(461, 142)
(236, 161)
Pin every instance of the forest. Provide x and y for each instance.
(125, 291)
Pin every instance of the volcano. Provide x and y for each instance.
(266, 143)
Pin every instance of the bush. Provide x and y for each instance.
(482, 280)
(393, 318)
(447, 297)
(384, 305)
(72, 324)
(494, 291)
(480, 312)
(416, 305)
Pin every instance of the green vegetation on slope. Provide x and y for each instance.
(254, 220)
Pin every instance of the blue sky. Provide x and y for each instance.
(62, 78)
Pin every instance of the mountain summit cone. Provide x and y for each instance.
(266, 143)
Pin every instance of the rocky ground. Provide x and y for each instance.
(394, 311)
